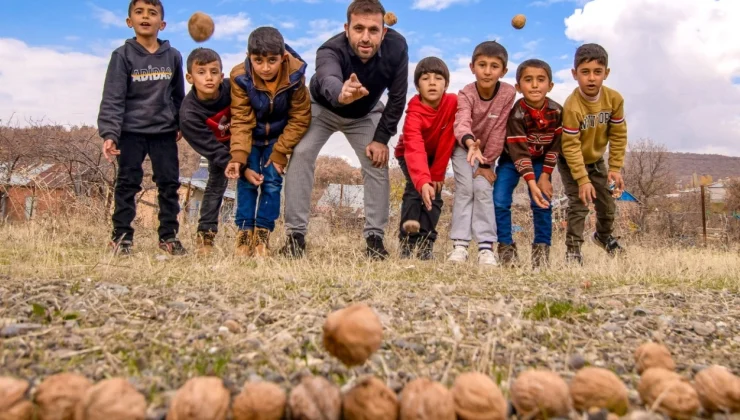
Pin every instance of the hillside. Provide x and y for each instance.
(683, 165)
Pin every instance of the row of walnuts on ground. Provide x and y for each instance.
(352, 335)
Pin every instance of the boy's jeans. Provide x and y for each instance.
(507, 178)
(212, 198)
(248, 213)
(412, 208)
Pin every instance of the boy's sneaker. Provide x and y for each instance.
(540, 256)
(244, 241)
(261, 241)
(172, 246)
(204, 241)
(487, 257)
(295, 246)
(375, 247)
(611, 246)
(122, 247)
(459, 254)
(507, 254)
(573, 255)
(426, 250)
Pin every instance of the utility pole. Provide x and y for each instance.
(703, 215)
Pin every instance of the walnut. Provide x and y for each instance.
(110, 399)
(57, 396)
(200, 27)
(718, 390)
(650, 355)
(260, 401)
(370, 399)
(200, 398)
(315, 398)
(390, 18)
(13, 402)
(352, 334)
(669, 393)
(425, 399)
(541, 394)
(518, 21)
(477, 397)
(600, 388)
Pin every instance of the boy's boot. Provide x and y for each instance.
(426, 250)
(507, 254)
(610, 245)
(375, 247)
(204, 241)
(261, 242)
(407, 246)
(540, 256)
(122, 247)
(172, 246)
(295, 246)
(573, 255)
(244, 240)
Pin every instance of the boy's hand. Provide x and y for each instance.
(438, 185)
(545, 185)
(486, 173)
(587, 193)
(378, 153)
(278, 167)
(253, 177)
(110, 150)
(616, 178)
(352, 90)
(474, 152)
(536, 193)
(232, 170)
(427, 195)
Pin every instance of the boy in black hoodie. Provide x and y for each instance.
(205, 121)
(139, 116)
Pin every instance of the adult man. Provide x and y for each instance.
(353, 69)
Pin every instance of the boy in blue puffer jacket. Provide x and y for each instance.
(270, 113)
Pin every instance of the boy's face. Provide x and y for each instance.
(534, 85)
(431, 87)
(488, 71)
(266, 66)
(590, 76)
(146, 19)
(365, 33)
(206, 78)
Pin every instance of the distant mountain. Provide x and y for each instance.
(684, 165)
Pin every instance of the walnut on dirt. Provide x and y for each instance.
(541, 394)
(477, 397)
(13, 402)
(57, 396)
(600, 388)
(315, 398)
(423, 398)
(669, 392)
(370, 399)
(353, 334)
(718, 390)
(390, 18)
(259, 401)
(200, 398)
(113, 398)
(650, 355)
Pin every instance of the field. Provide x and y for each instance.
(68, 305)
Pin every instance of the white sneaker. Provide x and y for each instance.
(487, 257)
(459, 254)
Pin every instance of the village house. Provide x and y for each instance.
(34, 190)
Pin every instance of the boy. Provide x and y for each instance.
(270, 111)
(533, 134)
(423, 152)
(139, 116)
(205, 117)
(480, 128)
(593, 117)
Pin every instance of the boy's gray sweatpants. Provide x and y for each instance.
(473, 215)
(299, 177)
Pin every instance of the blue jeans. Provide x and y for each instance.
(248, 213)
(503, 191)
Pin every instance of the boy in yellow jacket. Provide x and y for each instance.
(593, 118)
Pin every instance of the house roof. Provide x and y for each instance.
(200, 184)
(351, 196)
(43, 175)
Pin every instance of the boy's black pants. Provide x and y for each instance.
(212, 198)
(162, 151)
(412, 208)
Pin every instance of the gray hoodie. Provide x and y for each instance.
(142, 92)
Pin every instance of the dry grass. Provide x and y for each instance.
(156, 319)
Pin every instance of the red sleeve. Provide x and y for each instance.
(444, 149)
(414, 152)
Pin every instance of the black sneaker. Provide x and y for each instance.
(123, 247)
(540, 256)
(295, 246)
(375, 248)
(611, 246)
(573, 255)
(426, 250)
(507, 254)
(172, 246)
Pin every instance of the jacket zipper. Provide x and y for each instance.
(267, 124)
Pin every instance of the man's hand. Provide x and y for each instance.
(474, 152)
(427, 195)
(179, 136)
(616, 178)
(278, 167)
(253, 177)
(587, 193)
(438, 185)
(352, 90)
(378, 153)
(536, 193)
(486, 173)
(545, 185)
(232, 170)
(110, 150)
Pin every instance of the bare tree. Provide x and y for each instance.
(647, 174)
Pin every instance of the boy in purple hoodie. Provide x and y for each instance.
(480, 129)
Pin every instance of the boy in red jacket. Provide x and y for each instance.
(423, 152)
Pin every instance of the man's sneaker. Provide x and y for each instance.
(426, 250)
(573, 255)
(122, 247)
(204, 242)
(295, 246)
(540, 256)
(507, 254)
(459, 254)
(611, 246)
(487, 257)
(172, 246)
(375, 248)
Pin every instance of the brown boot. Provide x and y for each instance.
(244, 243)
(204, 241)
(261, 242)
(507, 254)
(540, 256)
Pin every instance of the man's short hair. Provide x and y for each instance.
(364, 7)
(155, 3)
(201, 57)
(491, 49)
(266, 40)
(431, 65)
(590, 52)
(533, 63)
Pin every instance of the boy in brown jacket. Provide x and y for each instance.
(270, 113)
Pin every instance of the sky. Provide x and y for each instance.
(676, 62)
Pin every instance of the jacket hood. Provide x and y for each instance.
(294, 68)
(164, 46)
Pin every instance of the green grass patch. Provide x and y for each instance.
(558, 309)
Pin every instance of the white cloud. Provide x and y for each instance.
(108, 17)
(435, 5)
(545, 3)
(674, 62)
(228, 26)
(429, 51)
